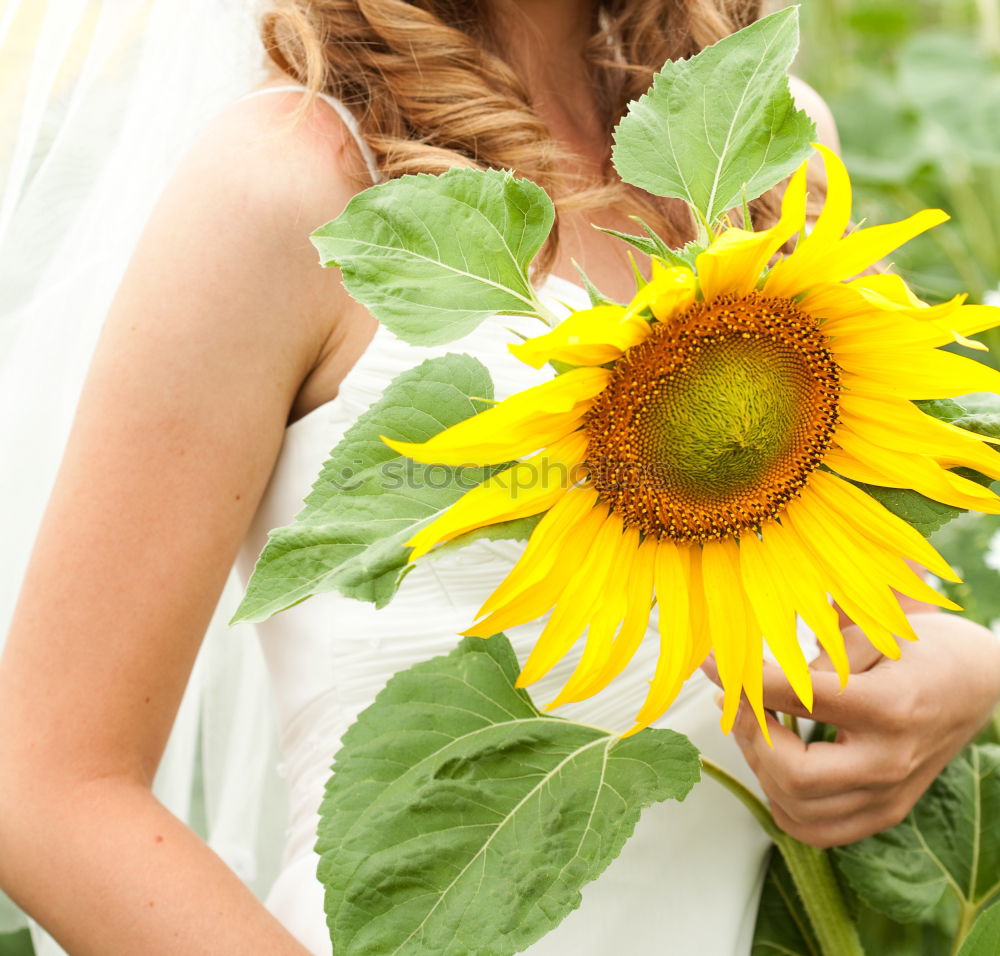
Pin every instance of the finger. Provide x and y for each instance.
(861, 653)
(857, 706)
(846, 829)
(823, 811)
(799, 772)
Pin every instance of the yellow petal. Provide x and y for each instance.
(912, 373)
(701, 639)
(881, 425)
(521, 424)
(673, 666)
(878, 521)
(951, 321)
(855, 572)
(608, 615)
(775, 610)
(905, 414)
(848, 257)
(530, 602)
(891, 287)
(670, 290)
(970, 319)
(526, 488)
(832, 504)
(878, 333)
(544, 547)
(793, 565)
(736, 258)
(857, 608)
(590, 337)
(753, 671)
(639, 604)
(864, 247)
(727, 623)
(832, 222)
(881, 466)
(836, 300)
(573, 609)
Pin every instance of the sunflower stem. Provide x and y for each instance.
(966, 918)
(792, 723)
(821, 897)
(811, 871)
(756, 806)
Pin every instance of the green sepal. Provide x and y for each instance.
(461, 821)
(593, 293)
(652, 245)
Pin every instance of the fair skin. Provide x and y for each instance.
(212, 346)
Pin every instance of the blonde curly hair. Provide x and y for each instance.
(432, 86)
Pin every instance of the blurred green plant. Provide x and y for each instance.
(16, 944)
(915, 88)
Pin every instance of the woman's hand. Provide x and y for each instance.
(898, 724)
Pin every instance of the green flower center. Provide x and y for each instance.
(714, 423)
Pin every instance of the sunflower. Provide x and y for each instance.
(703, 452)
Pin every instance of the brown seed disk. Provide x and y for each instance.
(714, 423)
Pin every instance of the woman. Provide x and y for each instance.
(223, 332)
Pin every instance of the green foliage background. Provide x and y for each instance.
(915, 88)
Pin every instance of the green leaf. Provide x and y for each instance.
(460, 821)
(950, 843)
(978, 413)
(432, 256)
(924, 514)
(984, 938)
(16, 944)
(783, 927)
(720, 123)
(883, 141)
(369, 500)
(519, 529)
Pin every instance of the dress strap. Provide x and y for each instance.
(349, 120)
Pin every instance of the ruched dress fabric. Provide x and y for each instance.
(689, 879)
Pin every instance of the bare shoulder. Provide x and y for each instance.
(807, 99)
(273, 158)
(260, 179)
(229, 239)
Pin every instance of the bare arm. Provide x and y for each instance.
(222, 316)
